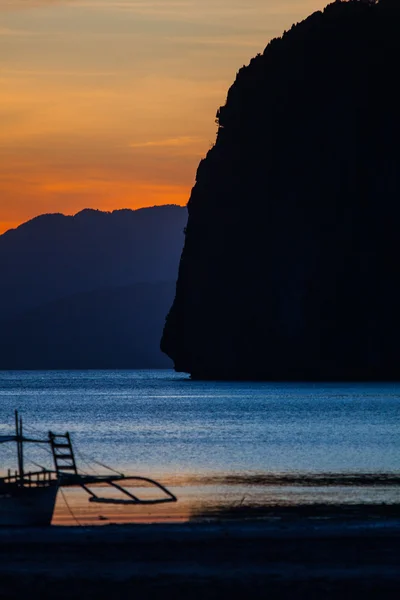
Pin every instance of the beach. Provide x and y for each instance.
(327, 553)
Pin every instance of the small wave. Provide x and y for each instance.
(289, 479)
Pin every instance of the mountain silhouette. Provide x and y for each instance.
(89, 291)
(290, 268)
(54, 255)
(117, 328)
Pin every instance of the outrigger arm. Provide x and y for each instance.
(84, 480)
(67, 473)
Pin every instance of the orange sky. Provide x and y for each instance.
(111, 103)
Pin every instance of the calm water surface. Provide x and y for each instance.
(216, 444)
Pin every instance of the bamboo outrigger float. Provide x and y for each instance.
(29, 497)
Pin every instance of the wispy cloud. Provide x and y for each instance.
(184, 9)
(177, 142)
(225, 40)
(53, 73)
(5, 31)
(12, 5)
(139, 6)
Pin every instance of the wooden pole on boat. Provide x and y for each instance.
(21, 466)
(18, 433)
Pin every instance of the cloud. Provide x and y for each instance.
(168, 143)
(14, 5)
(15, 32)
(225, 40)
(203, 9)
(138, 6)
(187, 10)
(55, 73)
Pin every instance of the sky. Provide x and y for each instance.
(111, 103)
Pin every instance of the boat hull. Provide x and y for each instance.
(27, 506)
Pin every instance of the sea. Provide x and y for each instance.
(221, 447)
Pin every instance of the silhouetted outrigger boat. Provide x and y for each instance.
(29, 497)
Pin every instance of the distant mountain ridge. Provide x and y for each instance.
(64, 278)
(54, 255)
(114, 328)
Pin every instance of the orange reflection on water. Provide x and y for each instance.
(73, 508)
(210, 496)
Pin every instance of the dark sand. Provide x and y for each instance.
(322, 553)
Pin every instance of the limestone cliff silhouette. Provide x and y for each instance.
(290, 268)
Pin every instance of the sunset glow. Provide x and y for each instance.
(111, 104)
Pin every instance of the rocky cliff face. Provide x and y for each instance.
(290, 268)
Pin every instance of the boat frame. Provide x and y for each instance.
(66, 473)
